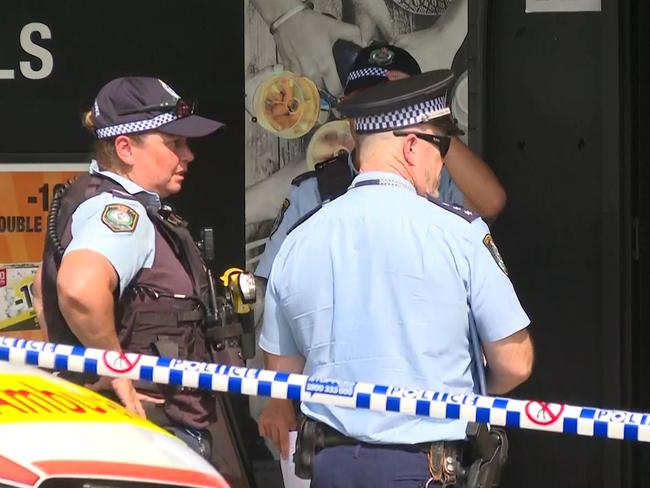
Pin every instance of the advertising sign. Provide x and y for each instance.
(27, 191)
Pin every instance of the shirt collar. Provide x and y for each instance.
(385, 178)
(130, 186)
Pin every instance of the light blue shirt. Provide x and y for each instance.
(128, 252)
(378, 286)
(304, 197)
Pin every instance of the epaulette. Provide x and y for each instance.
(304, 218)
(467, 214)
(302, 177)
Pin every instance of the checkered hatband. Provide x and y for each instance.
(363, 72)
(137, 126)
(404, 117)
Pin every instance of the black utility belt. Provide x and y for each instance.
(472, 463)
(333, 438)
(444, 457)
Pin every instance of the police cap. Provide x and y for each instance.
(138, 104)
(373, 63)
(402, 103)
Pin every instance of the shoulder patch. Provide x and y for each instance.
(302, 177)
(278, 220)
(304, 218)
(492, 247)
(463, 212)
(120, 217)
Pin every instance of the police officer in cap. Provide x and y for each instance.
(120, 269)
(465, 180)
(379, 286)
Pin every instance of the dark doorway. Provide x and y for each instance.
(553, 137)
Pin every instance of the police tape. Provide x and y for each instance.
(506, 412)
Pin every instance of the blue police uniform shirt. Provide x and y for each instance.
(379, 286)
(304, 196)
(128, 252)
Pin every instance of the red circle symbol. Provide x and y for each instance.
(120, 362)
(542, 413)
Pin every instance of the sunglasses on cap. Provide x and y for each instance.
(441, 142)
(181, 108)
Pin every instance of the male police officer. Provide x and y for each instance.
(466, 180)
(120, 269)
(479, 189)
(380, 285)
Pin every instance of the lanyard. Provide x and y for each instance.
(382, 182)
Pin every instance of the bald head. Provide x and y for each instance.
(409, 155)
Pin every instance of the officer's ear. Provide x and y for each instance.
(408, 148)
(124, 148)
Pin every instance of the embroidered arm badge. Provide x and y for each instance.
(119, 217)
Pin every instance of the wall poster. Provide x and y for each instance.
(27, 191)
(433, 31)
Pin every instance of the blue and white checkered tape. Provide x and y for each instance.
(404, 117)
(136, 126)
(524, 414)
(369, 72)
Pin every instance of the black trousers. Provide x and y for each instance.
(366, 466)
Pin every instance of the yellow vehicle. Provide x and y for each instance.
(54, 434)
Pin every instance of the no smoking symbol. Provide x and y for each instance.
(542, 413)
(120, 362)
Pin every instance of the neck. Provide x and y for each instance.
(128, 173)
(386, 167)
(384, 161)
(131, 174)
(384, 152)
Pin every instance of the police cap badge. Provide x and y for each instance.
(381, 56)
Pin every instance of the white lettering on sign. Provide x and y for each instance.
(47, 61)
(30, 34)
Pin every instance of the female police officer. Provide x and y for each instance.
(120, 270)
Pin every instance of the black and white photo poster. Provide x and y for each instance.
(433, 31)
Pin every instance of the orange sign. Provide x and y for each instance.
(26, 191)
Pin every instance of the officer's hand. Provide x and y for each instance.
(436, 46)
(373, 19)
(275, 422)
(305, 44)
(123, 388)
(427, 48)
